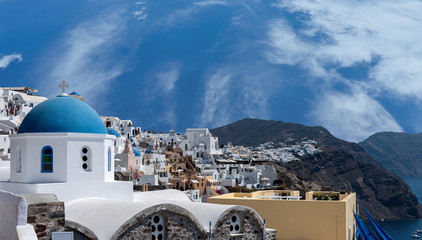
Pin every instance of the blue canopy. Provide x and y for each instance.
(362, 232)
(378, 229)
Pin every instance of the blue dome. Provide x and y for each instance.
(74, 93)
(113, 131)
(62, 114)
(136, 152)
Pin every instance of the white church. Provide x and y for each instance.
(62, 148)
(62, 142)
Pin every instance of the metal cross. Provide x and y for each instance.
(63, 86)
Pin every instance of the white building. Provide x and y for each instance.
(4, 146)
(152, 161)
(15, 104)
(161, 137)
(195, 138)
(150, 142)
(63, 147)
(211, 172)
(123, 127)
(111, 122)
(250, 177)
(173, 138)
(119, 141)
(127, 129)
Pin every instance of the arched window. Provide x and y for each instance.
(109, 159)
(47, 159)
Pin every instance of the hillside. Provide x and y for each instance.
(400, 153)
(341, 166)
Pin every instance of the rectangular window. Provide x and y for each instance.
(19, 161)
(109, 160)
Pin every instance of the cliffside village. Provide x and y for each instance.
(194, 162)
(68, 173)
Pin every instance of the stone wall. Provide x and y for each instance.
(270, 234)
(46, 214)
(179, 224)
(147, 188)
(156, 188)
(181, 227)
(123, 176)
(252, 225)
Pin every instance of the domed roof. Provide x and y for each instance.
(74, 93)
(113, 131)
(136, 151)
(62, 114)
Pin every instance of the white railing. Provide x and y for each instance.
(281, 197)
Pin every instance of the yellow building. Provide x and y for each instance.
(321, 216)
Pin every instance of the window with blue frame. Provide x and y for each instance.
(47, 159)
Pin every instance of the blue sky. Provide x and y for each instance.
(354, 67)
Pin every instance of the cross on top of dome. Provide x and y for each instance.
(63, 86)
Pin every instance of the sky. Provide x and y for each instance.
(351, 66)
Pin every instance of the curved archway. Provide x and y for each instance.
(181, 224)
(250, 223)
(80, 231)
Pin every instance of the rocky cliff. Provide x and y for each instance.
(400, 153)
(341, 166)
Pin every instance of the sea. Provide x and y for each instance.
(401, 230)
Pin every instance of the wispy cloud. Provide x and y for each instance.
(6, 60)
(166, 78)
(355, 115)
(87, 56)
(248, 7)
(209, 3)
(186, 14)
(336, 35)
(140, 14)
(215, 105)
(160, 89)
(234, 91)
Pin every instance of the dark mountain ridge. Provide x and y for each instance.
(341, 166)
(400, 153)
